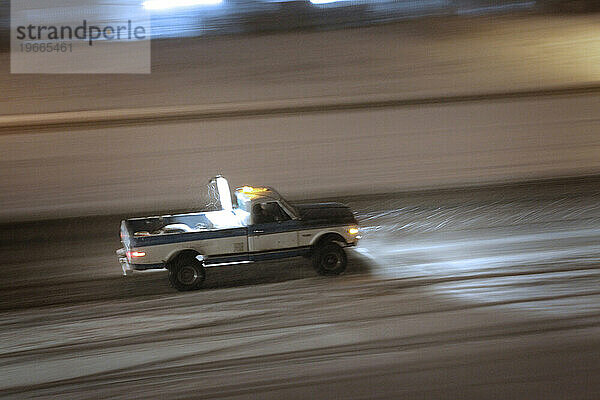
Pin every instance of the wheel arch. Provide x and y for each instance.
(181, 252)
(325, 237)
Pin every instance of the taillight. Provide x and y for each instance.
(132, 254)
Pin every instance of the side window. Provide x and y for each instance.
(258, 214)
(268, 212)
(277, 212)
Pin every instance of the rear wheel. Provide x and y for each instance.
(186, 273)
(329, 259)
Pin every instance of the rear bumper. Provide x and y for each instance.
(126, 267)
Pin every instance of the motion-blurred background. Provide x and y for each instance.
(315, 98)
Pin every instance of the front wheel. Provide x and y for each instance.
(329, 259)
(186, 273)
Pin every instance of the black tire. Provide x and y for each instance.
(329, 259)
(186, 273)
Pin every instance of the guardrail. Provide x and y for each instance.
(13, 124)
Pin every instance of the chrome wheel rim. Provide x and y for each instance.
(331, 261)
(187, 275)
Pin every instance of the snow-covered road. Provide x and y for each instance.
(475, 293)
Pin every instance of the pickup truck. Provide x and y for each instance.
(258, 225)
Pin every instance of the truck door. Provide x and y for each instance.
(271, 229)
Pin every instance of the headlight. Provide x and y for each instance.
(353, 231)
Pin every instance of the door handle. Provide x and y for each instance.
(259, 231)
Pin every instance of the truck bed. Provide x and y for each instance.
(138, 232)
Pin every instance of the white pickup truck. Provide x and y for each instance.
(261, 225)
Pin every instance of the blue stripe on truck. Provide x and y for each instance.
(142, 241)
(259, 255)
(273, 255)
(233, 258)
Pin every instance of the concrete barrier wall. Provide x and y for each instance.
(136, 169)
